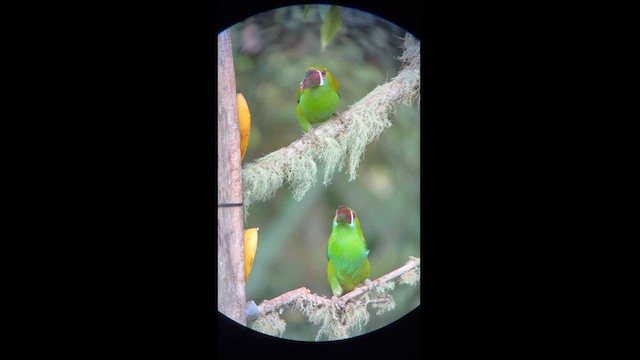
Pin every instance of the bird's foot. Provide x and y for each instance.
(312, 134)
(337, 303)
(339, 118)
(369, 284)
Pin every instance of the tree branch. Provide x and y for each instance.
(343, 137)
(339, 309)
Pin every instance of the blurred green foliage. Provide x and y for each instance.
(271, 51)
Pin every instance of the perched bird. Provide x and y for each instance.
(347, 253)
(318, 96)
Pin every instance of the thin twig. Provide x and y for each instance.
(411, 264)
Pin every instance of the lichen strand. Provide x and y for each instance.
(410, 277)
(384, 287)
(356, 315)
(338, 323)
(304, 306)
(410, 75)
(301, 174)
(332, 155)
(270, 324)
(383, 306)
(260, 182)
(322, 316)
(368, 118)
(411, 50)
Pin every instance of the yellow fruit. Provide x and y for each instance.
(244, 118)
(250, 247)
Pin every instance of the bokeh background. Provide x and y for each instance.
(271, 51)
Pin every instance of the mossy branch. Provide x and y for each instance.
(336, 317)
(341, 139)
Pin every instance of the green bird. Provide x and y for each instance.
(347, 253)
(318, 96)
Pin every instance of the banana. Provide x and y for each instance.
(244, 119)
(250, 247)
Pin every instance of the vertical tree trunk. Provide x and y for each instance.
(231, 292)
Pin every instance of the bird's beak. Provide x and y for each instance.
(312, 78)
(344, 215)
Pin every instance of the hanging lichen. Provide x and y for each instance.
(340, 140)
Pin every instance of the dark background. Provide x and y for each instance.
(127, 193)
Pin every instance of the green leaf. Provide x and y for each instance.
(330, 25)
(324, 10)
(305, 12)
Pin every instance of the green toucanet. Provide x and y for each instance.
(318, 96)
(347, 253)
